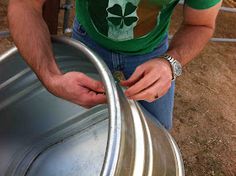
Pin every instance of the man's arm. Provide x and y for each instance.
(152, 79)
(197, 28)
(32, 38)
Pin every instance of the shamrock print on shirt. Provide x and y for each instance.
(125, 19)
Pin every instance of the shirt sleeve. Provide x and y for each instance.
(201, 4)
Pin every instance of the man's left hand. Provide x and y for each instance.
(149, 81)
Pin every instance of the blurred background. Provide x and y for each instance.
(205, 98)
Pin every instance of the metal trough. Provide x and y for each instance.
(42, 135)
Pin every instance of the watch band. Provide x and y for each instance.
(175, 66)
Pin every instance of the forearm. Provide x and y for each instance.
(197, 28)
(189, 41)
(32, 38)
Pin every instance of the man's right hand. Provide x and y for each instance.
(32, 38)
(77, 88)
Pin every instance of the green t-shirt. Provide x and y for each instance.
(130, 26)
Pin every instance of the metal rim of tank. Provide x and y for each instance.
(114, 133)
(114, 143)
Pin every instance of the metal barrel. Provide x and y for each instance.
(41, 134)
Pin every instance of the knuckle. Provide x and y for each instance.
(80, 75)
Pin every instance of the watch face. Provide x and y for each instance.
(177, 69)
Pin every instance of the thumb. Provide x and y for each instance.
(92, 84)
(137, 75)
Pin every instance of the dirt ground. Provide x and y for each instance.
(205, 101)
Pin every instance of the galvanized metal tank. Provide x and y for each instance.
(42, 135)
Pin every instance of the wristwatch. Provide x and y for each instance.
(175, 66)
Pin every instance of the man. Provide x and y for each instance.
(130, 35)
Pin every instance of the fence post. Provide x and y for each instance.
(50, 14)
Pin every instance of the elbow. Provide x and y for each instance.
(17, 10)
(11, 7)
(210, 28)
(206, 28)
(14, 10)
(15, 5)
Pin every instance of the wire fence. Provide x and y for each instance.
(4, 34)
(215, 39)
(231, 3)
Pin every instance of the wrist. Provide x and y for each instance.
(175, 65)
(49, 77)
(54, 84)
(174, 54)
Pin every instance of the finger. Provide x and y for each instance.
(148, 94)
(86, 106)
(153, 92)
(92, 98)
(91, 102)
(138, 74)
(98, 98)
(88, 98)
(92, 84)
(142, 84)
